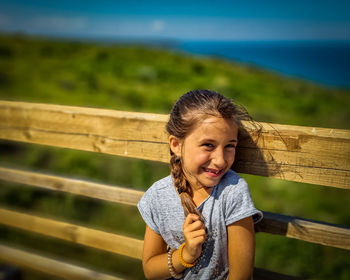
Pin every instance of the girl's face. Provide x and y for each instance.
(208, 151)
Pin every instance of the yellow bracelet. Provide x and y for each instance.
(185, 264)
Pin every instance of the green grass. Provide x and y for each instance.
(136, 78)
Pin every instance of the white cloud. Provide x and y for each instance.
(157, 25)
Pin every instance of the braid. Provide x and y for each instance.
(183, 188)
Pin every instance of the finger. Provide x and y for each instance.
(196, 233)
(190, 219)
(197, 241)
(191, 236)
(194, 226)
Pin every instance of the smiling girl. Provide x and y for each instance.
(200, 219)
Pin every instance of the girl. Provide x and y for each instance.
(200, 219)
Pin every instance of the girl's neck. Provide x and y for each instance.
(200, 194)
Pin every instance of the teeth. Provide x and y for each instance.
(211, 171)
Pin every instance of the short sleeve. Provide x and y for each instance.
(239, 204)
(148, 210)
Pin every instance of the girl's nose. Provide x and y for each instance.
(219, 158)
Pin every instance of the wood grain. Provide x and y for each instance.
(50, 266)
(306, 230)
(299, 228)
(79, 187)
(69, 271)
(295, 153)
(110, 242)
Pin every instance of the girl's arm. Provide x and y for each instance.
(155, 257)
(241, 246)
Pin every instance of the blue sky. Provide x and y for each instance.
(184, 20)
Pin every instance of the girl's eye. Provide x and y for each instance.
(208, 145)
(231, 146)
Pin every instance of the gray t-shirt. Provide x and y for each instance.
(229, 201)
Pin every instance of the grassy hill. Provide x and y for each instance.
(139, 78)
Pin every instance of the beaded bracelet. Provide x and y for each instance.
(185, 264)
(170, 265)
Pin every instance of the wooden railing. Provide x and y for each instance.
(302, 154)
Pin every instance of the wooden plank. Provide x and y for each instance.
(79, 187)
(69, 271)
(50, 266)
(127, 134)
(303, 154)
(110, 242)
(296, 153)
(306, 230)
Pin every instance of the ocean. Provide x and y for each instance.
(324, 62)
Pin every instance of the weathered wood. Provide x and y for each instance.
(50, 266)
(295, 153)
(303, 154)
(110, 242)
(79, 187)
(66, 270)
(306, 230)
(128, 134)
(302, 229)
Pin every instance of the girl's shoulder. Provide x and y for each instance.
(232, 180)
(231, 186)
(162, 184)
(162, 188)
(233, 193)
(156, 201)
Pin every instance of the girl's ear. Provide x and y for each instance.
(175, 145)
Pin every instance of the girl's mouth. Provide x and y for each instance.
(213, 172)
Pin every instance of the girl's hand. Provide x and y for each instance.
(194, 233)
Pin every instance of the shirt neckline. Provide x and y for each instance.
(211, 193)
(178, 196)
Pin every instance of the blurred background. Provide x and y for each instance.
(286, 61)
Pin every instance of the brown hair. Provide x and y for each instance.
(190, 109)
